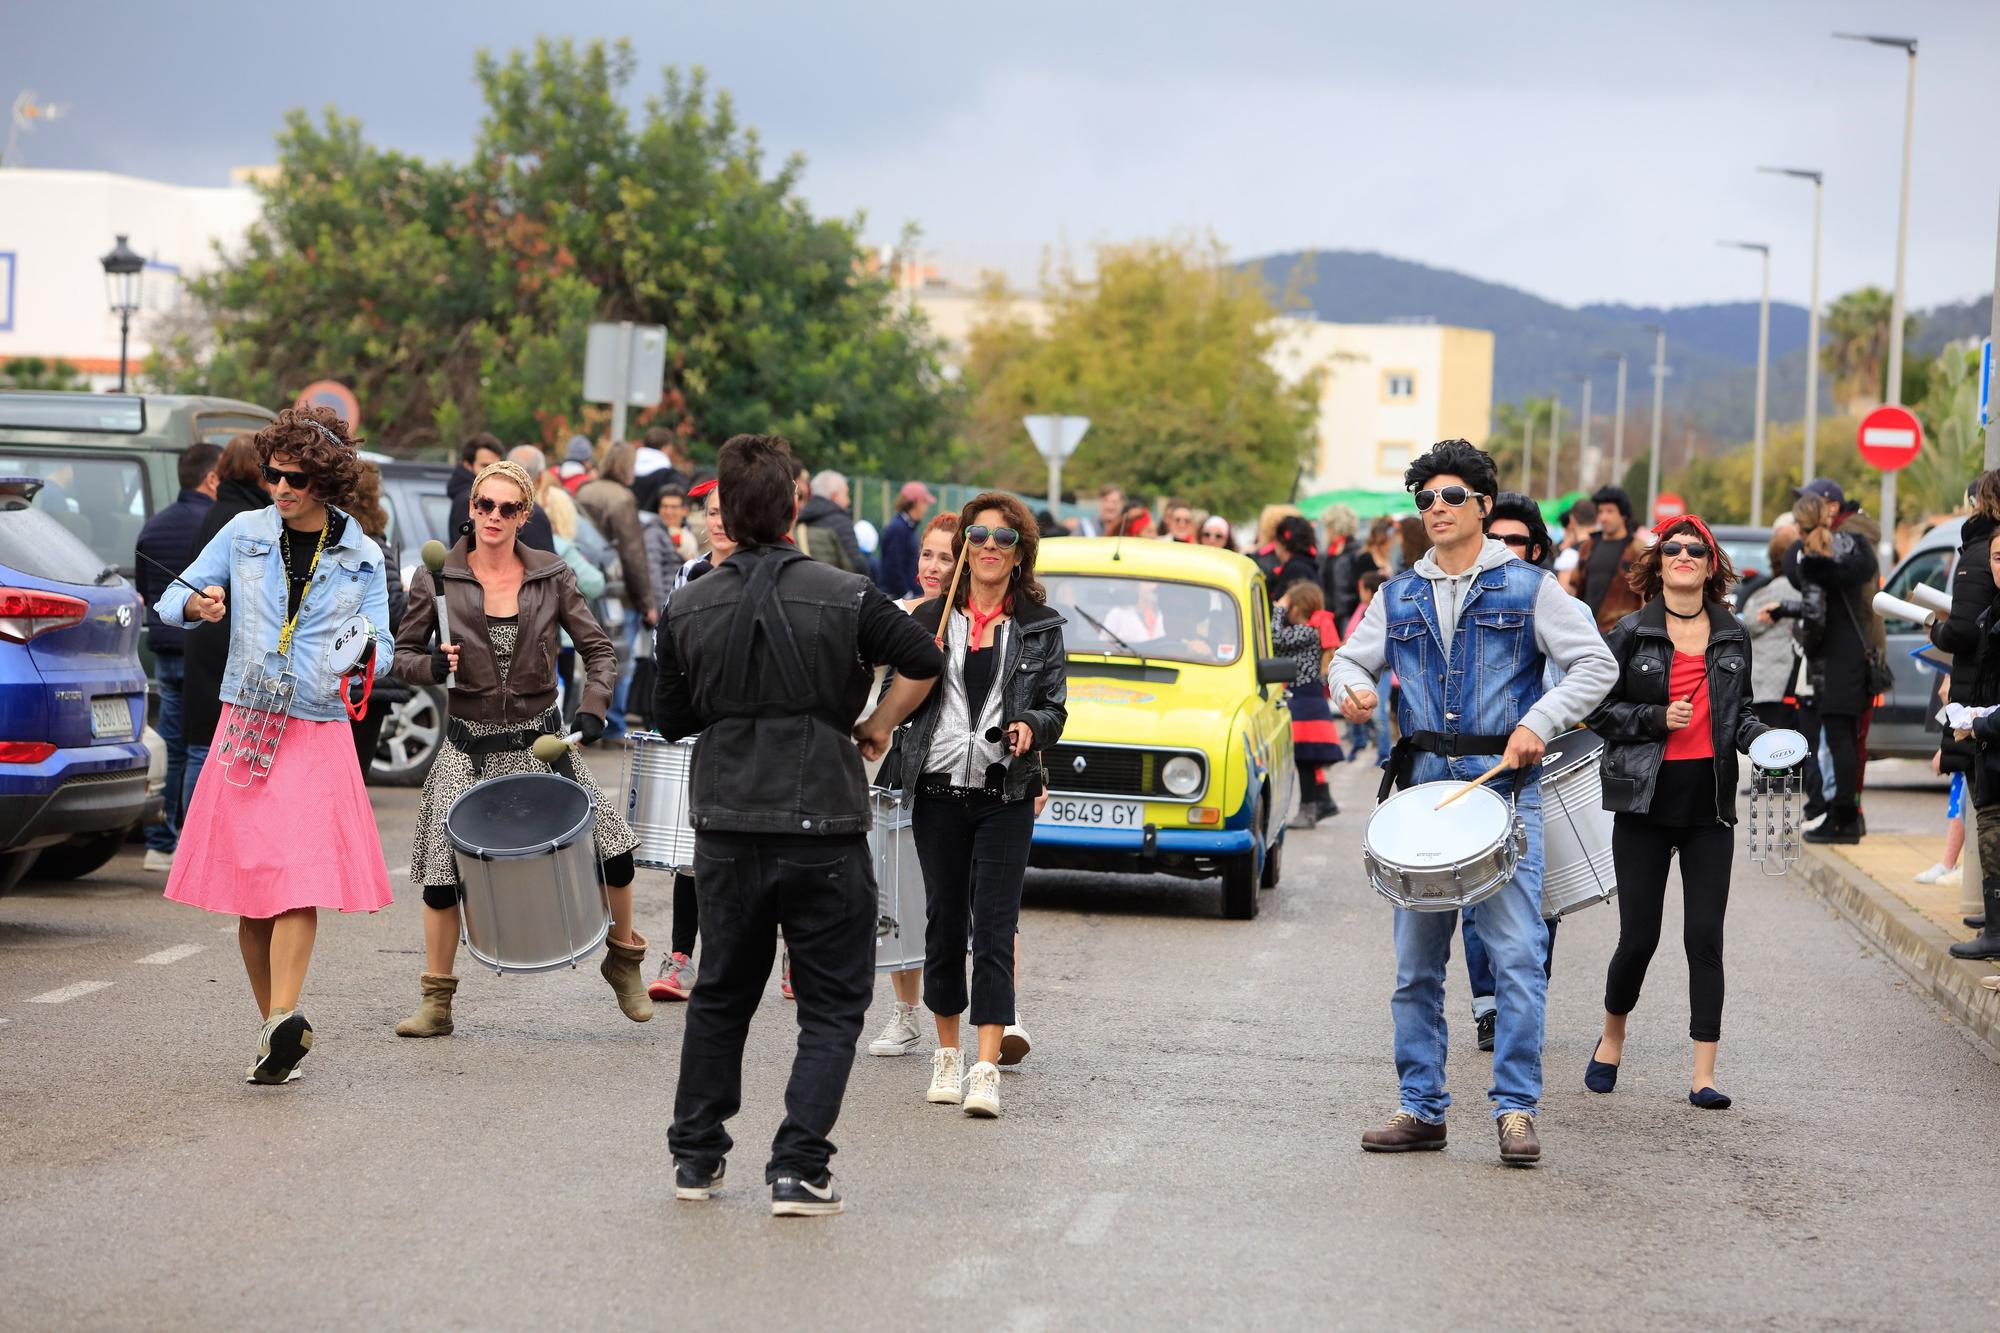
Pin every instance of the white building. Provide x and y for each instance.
(55, 227)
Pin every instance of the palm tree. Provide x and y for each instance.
(1856, 353)
(1953, 452)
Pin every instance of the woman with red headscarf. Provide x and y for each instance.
(1672, 727)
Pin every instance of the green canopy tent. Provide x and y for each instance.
(1377, 504)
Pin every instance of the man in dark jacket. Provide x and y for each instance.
(903, 538)
(771, 658)
(1836, 554)
(169, 540)
(1960, 634)
(824, 515)
(477, 451)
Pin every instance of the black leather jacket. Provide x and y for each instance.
(1034, 688)
(770, 657)
(1633, 717)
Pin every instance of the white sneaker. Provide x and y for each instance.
(1014, 1045)
(947, 1078)
(899, 1034)
(157, 860)
(1931, 876)
(1955, 875)
(982, 1091)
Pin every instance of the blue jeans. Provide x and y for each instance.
(168, 672)
(1383, 740)
(1479, 967)
(197, 755)
(628, 634)
(1510, 925)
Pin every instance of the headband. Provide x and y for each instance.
(333, 439)
(1666, 525)
(506, 470)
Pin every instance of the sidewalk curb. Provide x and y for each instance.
(1916, 945)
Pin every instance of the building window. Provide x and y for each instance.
(1399, 384)
(1393, 456)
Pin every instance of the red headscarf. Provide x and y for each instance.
(1667, 525)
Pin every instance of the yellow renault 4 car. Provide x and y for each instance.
(1177, 758)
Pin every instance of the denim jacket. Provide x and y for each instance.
(244, 558)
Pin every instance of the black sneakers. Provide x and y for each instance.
(794, 1197)
(692, 1184)
(1485, 1022)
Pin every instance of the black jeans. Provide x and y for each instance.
(821, 891)
(1785, 717)
(1843, 740)
(1641, 853)
(975, 856)
(687, 914)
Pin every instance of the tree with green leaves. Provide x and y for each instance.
(1165, 348)
(33, 372)
(456, 297)
(1954, 449)
(1856, 351)
(1514, 425)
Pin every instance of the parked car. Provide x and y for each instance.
(419, 511)
(1905, 725)
(1747, 548)
(1177, 758)
(73, 765)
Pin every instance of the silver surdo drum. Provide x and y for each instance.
(658, 775)
(1576, 828)
(1433, 860)
(899, 883)
(526, 848)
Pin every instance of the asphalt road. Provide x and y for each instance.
(1181, 1149)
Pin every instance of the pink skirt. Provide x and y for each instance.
(301, 836)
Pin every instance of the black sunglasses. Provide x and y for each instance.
(1520, 539)
(1451, 495)
(298, 481)
(1004, 538)
(1699, 550)
(486, 504)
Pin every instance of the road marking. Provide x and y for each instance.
(173, 955)
(1093, 1220)
(69, 992)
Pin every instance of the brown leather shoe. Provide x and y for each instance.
(1518, 1144)
(1404, 1133)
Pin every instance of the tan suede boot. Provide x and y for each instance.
(623, 967)
(433, 1016)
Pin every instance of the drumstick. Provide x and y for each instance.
(548, 749)
(1478, 781)
(170, 573)
(434, 554)
(945, 615)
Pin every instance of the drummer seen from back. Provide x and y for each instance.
(1468, 630)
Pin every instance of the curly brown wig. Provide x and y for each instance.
(319, 444)
(1645, 576)
(1018, 518)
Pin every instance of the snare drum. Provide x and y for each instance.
(899, 883)
(1433, 860)
(1576, 828)
(526, 846)
(658, 776)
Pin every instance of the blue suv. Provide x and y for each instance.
(72, 697)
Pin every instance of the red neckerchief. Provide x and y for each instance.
(981, 619)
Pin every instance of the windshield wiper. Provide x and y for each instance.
(106, 574)
(1105, 630)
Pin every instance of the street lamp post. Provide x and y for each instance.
(1659, 388)
(1555, 440)
(1763, 373)
(1583, 439)
(1618, 424)
(123, 271)
(1812, 319)
(1528, 449)
(1908, 45)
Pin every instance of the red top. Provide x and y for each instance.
(1689, 676)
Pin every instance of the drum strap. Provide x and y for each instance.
(477, 748)
(1450, 744)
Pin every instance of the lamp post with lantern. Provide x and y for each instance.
(124, 269)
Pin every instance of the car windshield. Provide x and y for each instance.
(34, 544)
(1155, 619)
(100, 500)
(1747, 557)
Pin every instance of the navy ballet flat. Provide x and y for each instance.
(1598, 1076)
(1708, 1099)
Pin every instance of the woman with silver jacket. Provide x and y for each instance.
(971, 754)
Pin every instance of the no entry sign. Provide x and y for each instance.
(1890, 437)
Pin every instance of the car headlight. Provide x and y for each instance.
(1181, 776)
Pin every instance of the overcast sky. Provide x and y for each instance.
(1583, 152)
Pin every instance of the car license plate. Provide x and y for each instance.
(1071, 812)
(111, 715)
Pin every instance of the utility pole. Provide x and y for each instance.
(1763, 379)
(1583, 440)
(1659, 387)
(1555, 441)
(1528, 449)
(1618, 426)
(1810, 462)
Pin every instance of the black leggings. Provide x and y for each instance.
(1641, 852)
(618, 872)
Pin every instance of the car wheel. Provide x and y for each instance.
(13, 865)
(1274, 863)
(412, 734)
(1241, 875)
(75, 859)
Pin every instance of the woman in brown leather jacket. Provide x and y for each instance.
(506, 602)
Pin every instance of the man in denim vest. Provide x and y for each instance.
(1468, 630)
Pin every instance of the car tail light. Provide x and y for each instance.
(24, 613)
(25, 752)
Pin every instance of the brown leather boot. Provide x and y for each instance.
(433, 1016)
(623, 967)
(1404, 1133)
(1518, 1144)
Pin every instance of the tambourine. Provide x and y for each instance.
(1778, 750)
(352, 652)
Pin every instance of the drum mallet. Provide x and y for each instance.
(951, 593)
(1479, 781)
(549, 749)
(434, 554)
